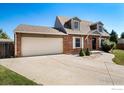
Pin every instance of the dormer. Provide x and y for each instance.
(97, 26)
(100, 26)
(73, 23)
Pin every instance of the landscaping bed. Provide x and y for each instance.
(8, 77)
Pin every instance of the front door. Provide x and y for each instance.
(93, 43)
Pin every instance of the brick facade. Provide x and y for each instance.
(87, 42)
(17, 44)
(67, 43)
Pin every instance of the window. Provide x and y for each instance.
(93, 27)
(76, 25)
(100, 28)
(77, 42)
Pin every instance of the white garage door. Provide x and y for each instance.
(39, 46)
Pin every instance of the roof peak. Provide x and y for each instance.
(68, 18)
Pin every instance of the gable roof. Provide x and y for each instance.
(76, 18)
(99, 22)
(64, 19)
(23, 28)
(84, 27)
(61, 20)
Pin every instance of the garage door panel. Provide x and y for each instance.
(40, 46)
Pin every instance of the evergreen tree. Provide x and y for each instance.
(113, 36)
(122, 35)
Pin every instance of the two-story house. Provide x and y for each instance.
(68, 36)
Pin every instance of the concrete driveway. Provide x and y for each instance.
(97, 69)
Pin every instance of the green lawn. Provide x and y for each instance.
(119, 56)
(8, 77)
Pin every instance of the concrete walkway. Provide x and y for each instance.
(97, 69)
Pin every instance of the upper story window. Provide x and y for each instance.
(100, 28)
(97, 26)
(93, 27)
(76, 25)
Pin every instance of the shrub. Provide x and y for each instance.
(87, 52)
(81, 53)
(108, 45)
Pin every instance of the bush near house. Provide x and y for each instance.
(84, 52)
(81, 53)
(87, 52)
(108, 45)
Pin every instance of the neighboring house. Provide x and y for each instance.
(120, 44)
(6, 48)
(68, 35)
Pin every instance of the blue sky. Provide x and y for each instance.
(11, 15)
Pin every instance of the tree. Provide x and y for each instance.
(113, 36)
(3, 35)
(122, 35)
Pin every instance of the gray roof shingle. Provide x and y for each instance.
(23, 28)
(84, 27)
